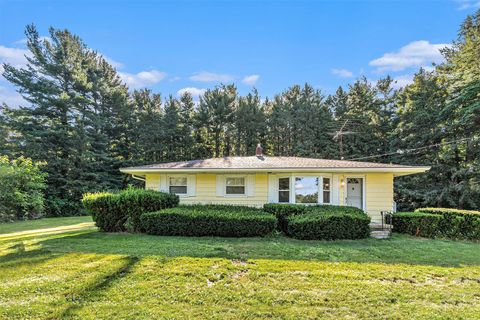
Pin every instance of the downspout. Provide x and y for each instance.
(138, 178)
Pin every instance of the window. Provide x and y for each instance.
(284, 190)
(306, 190)
(178, 185)
(235, 185)
(326, 190)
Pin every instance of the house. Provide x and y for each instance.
(260, 179)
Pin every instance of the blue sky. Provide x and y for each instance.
(173, 46)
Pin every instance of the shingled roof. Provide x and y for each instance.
(263, 163)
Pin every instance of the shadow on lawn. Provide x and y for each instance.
(96, 288)
(400, 249)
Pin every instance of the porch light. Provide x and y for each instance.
(342, 183)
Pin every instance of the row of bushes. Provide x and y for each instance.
(199, 220)
(121, 211)
(326, 222)
(438, 222)
(138, 210)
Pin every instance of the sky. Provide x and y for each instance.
(177, 46)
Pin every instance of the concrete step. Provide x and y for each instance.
(380, 234)
(378, 226)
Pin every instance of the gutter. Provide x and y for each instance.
(404, 170)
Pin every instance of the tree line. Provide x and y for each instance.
(84, 124)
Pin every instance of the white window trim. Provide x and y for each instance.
(245, 192)
(182, 195)
(364, 190)
(278, 177)
(292, 187)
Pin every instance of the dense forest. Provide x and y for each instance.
(83, 123)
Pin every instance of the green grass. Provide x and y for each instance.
(75, 272)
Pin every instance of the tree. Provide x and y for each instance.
(21, 189)
(249, 124)
(216, 111)
(74, 95)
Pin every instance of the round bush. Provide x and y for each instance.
(208, 220)
(329, 225)
(446, 224)
(121, 211)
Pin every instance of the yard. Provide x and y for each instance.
(64, 268)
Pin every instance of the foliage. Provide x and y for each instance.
(22, 184)
(74, 120)
(285, 210)
(329, 224)
(89, 274)
(83, 122)
(442, 224)
(121, 211)
(209, 220)
(448, 211)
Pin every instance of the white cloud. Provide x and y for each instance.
(113, 63)
(195, 92)
(344, 73)
(173, 79)
(402, 81)
(468, 4)
(13, 56)
(24, 40)
(205, 76)
(415, 54)
(10, 97)
(251, 79)
(142, 79)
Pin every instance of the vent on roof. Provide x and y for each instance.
(259, 150)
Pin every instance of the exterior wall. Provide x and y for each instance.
(378, 189)
(378, 192)
(206, 190)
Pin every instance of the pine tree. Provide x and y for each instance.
(73, 92)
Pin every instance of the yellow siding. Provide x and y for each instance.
(378, 188)
(379, 193)
(152, 181)
(206, 190)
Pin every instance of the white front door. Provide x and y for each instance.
(354, 196)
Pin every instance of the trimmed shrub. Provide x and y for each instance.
(329, 225)
(417, 223)
(457, 212)
(209, 220)
(284, 211)
(431, 225)
(121, 211)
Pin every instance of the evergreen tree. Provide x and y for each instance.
(70, 89)
(217, 108)
(148, 132)
(249, 124)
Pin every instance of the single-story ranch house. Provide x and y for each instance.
(260, 179)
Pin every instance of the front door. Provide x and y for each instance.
(355, 192)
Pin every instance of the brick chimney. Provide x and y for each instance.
(259, 150)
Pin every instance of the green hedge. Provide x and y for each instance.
(329, 225)
(431, 225)
(283, 211)
(320, 221)
(117, 212)
(417, 223)
(209, 220)
(449, 211)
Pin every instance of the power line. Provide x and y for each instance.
(414, 149)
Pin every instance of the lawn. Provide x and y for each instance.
(63, 268)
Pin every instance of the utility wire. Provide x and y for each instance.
(414, 149)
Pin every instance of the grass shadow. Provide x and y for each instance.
(400, 249)
(96, 288)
